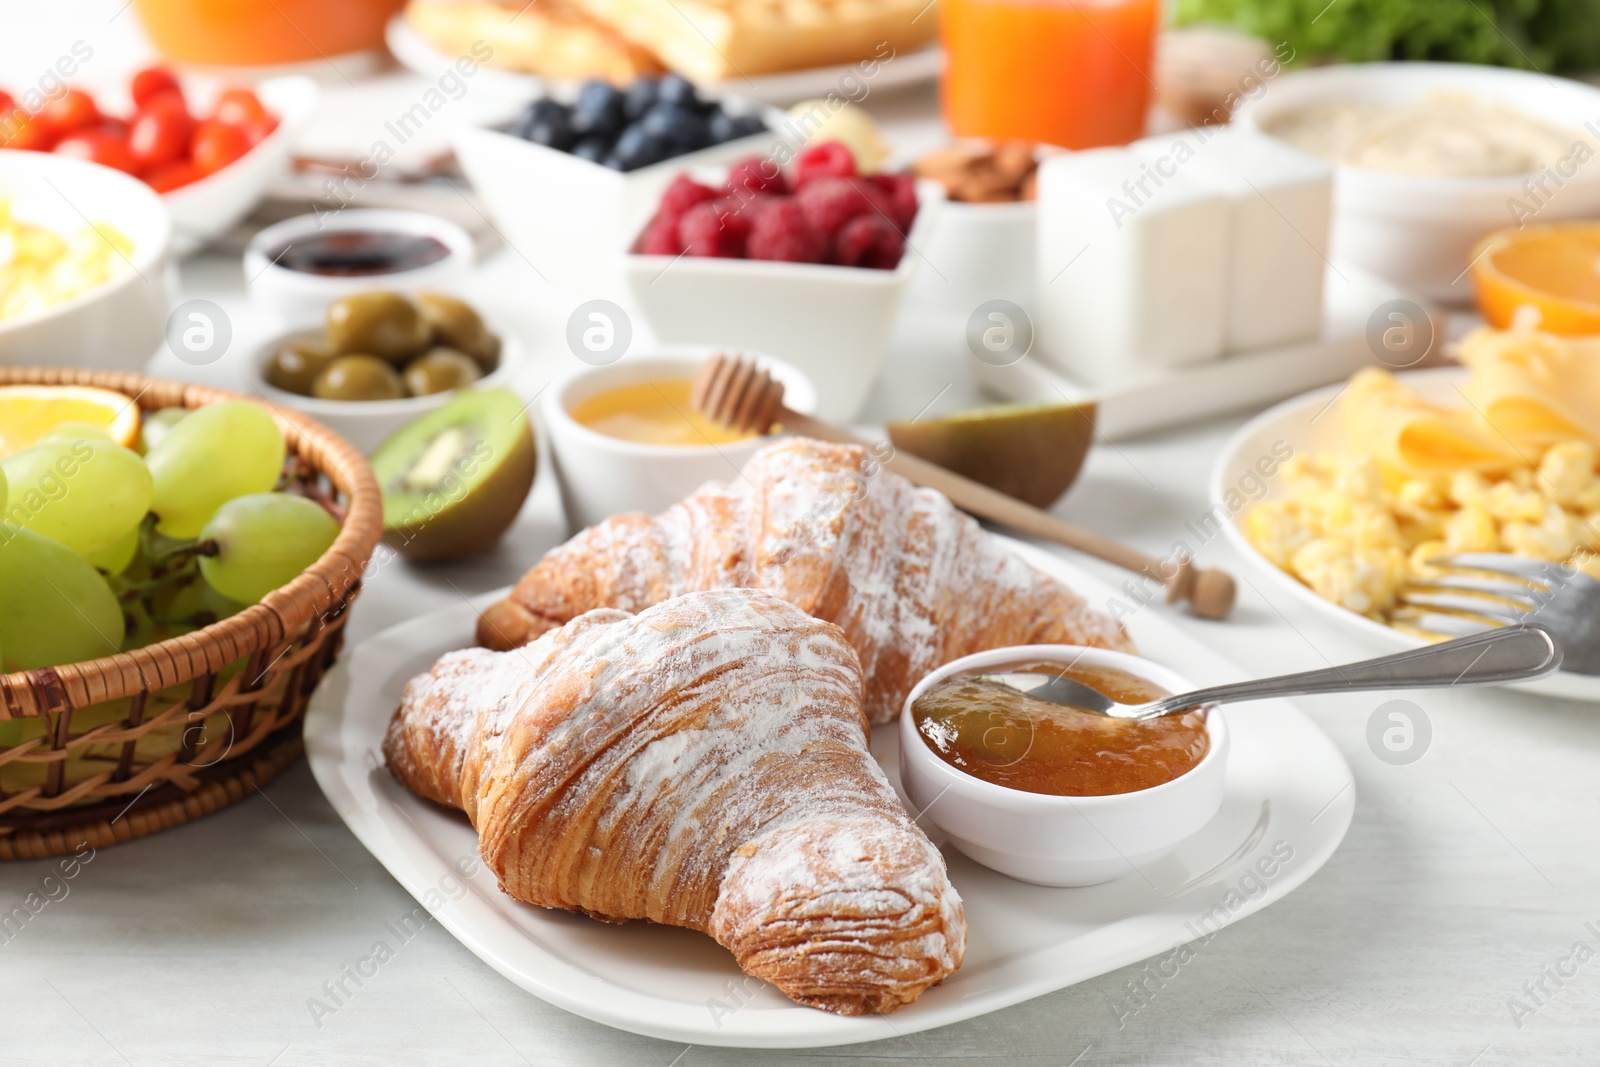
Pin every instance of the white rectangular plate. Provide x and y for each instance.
(1289, 801)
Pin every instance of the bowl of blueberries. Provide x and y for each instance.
(583, 167)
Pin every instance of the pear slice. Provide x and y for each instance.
(1032, 452)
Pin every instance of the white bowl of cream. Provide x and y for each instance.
(1432, 157)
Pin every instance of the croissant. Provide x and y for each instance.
(703, 764)
(913, 582)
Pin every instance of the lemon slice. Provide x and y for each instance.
(28, 412)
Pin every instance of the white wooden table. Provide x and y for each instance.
(1466, 881)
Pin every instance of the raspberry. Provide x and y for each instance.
(661, 237)
(899, 197)
(716, 228)
(829, 203)
(757, 174)
(830, 159)
(683, 194)
(868, 241)
(780, 232)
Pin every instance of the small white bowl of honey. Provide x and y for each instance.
(624, 437)
(1052, 794)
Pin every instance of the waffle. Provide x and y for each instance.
(715, 40)
(552, 38)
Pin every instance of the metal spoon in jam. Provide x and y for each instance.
(1005, 735)
(1510, 654)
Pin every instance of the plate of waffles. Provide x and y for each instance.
(605, 760)
(794, 52)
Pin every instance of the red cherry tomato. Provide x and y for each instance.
(172, 176)
(216, 144)
(151, 81)
(160, 135)
(112, 126)
(72, 110)
(100, 148)
(238, 106)
(259, 130)
(8, 104)
(170, 99)
(18, 129)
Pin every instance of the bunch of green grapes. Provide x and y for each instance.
(104, 549)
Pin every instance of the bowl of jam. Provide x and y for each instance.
(294, 268)
(1054, 794)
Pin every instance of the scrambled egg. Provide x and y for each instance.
(40, 267)
(1357, 532)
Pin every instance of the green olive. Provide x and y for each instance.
(296, 364)
(456, 325)
(358, 378)
(383, 324)
(440, 371)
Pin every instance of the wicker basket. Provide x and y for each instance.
(123, 746)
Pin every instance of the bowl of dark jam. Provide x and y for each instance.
(1054, 794)
(295, 268)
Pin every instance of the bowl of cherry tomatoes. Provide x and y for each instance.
(208, 149)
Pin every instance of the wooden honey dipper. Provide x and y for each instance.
(734, 392)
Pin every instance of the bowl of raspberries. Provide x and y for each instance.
(807, 262)
(579, 170)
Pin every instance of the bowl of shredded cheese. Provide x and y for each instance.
(83, 260)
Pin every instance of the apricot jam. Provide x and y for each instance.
(1004, 736)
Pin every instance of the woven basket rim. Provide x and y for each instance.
(283, 612)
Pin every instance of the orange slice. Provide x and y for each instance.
(1554, 269)
(28, 412)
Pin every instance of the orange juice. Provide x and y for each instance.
(263, 32)
(1075, 73)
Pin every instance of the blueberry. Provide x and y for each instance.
(594, 148)
(598, 109)
(542, 110)
(637, 100)
(636, 148)
(676, 89)
(554, 132)
(726, 127)
(670, 122)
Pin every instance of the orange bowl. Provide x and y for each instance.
(231, 33)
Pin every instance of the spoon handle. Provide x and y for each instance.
(1508, 654)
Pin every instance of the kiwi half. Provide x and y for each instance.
(454, 480)
(1031, 452)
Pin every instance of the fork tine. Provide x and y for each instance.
(1439, 625)
(1540, 571)
(1514, 592)
(1444, 598)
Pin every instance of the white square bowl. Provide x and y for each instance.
(568, 216)
(833, 323)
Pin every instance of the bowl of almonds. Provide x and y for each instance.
(982, 245)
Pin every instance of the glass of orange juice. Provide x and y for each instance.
(1074, 73)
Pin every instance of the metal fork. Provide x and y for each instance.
(1484, 590)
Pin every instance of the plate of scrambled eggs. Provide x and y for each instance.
(1342, 496)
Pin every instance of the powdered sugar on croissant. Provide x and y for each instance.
(701, 764)
(913, 582)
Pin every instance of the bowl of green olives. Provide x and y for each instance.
(383, 358)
